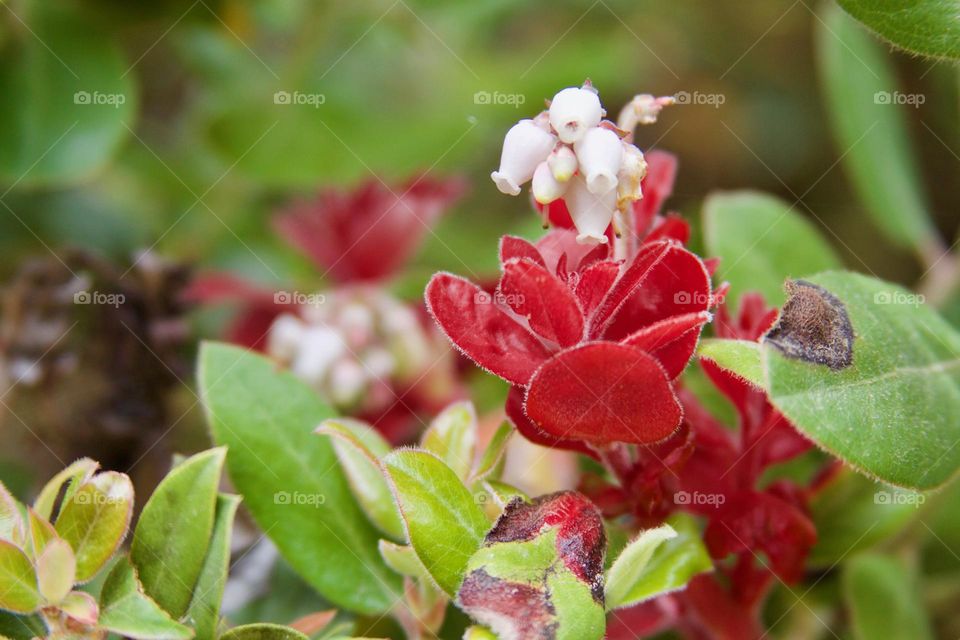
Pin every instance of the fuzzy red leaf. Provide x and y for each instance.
(594, 283)
(533, 433)
(513, 247)
(671, 341)
(603, 392)
(548, 304)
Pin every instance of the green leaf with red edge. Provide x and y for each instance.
(889, 414)
(444, 523)
(56, 568)
(268, 418)
(452, 435)
(73, 475)
(925, 27)
(263, 631)
(126, 610)
(19, 591)
(95, 520)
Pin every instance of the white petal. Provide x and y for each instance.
(320, 348)
(563, 162)
(283, 340)
(632, 170)
(545, 187)
(573, 111)
(600, 154)
(591, 213)
(525, 146)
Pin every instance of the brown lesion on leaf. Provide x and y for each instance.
(813, 326)
(512, 609)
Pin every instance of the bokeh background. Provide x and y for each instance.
(180, 126)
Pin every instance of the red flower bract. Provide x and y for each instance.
(591, 344)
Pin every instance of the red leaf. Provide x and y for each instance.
(483, 331)
(533, 433)
(672, 227)
(603, 392)
(547, 304)
(671, 341)
(514, 247)
(594, 283)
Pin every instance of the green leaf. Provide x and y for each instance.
(263, 631)
(892, 413)
(884, 600)
(852, 512)
(51, 133)
(740, 356)
(761, 240)
(627, 572)
(869, 128)
(452, 435)
(81, 607)
(204, 610)
(290, 479)
(56, 571)
(927, 27)
(75, 474)
(493, 454)
(95, 520)
(359, 447)
(11, 519)
(173, 533)
(403, 559)
(126, 610)
(672, 564)
(19, 591)
(444, 523)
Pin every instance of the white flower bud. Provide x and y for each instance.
(600, 154)
(573, 111)
(525, 146)
(643, 109)
(591, 213)
(563, 162)
(632, 170)
(347, 382)
(545, 187)
(283, 340)
(319, 349)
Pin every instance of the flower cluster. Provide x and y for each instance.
(590, 343)
(571, 154)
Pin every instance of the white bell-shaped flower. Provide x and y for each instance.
(525, 146)
(591, 213)
(574, 111)
(563, 162)
(285, 336)
(546, 188)
(600, 154)
(320, 347)
(632, 170)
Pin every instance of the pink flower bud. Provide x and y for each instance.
(591, 213)
(573, 111)
(600, 153)
(525, 146)
(545, 186)
(563, 162)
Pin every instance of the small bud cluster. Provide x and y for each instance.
(569, 151)
(347, 346)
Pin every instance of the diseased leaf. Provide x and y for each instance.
(290, 479)
(890, 414)
(884, 600)
(673, 563)
(126, 610)
(73, 475)
(204, 610)
(173, 532)
(628, 569)
(452, 435)
(20, 592)
(444, 523)
(95, 520)
(927, 27)
(861, 94)
(359, 447)
(761, 241)
(263, 631)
